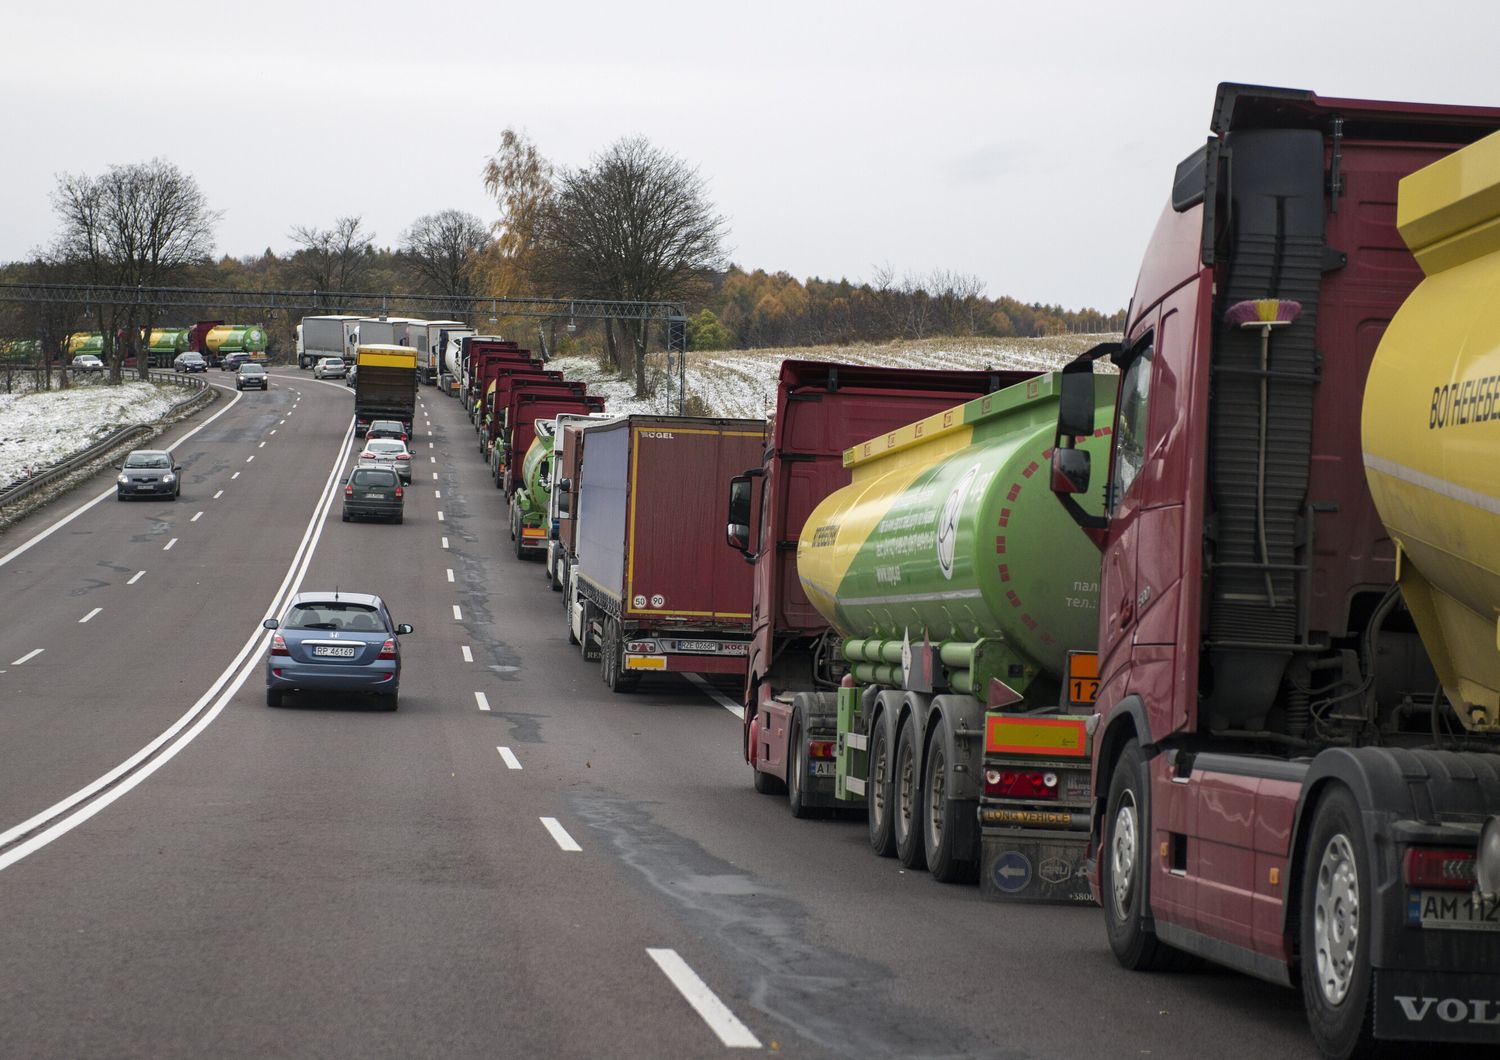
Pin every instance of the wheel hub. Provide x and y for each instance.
(1336, 919)
(1123, 852)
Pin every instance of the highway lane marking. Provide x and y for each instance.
(50, 824)
(450, 574)
(41, 535)
(249, 458)
(440, 517)
(482, 700)
(281, 421)
(29, 655)
(218, 495)
(90, 615)
(468, 655)
(168, 546)
(733, 1033)
(195, 518)
(262, 445)
(234, 476)
(434, 474)
(511, 761)
(273, 430)
(718, 697)
(429, 444)
(434, 460)
(457, 614)
(445, 542)
(560, 835)
(135, 577)
(437, 494)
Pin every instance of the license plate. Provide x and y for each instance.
(1452, 911)
(697, 645)
(823, 768)
(372, 496)
(334, 652)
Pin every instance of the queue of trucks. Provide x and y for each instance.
(214, 339)
(340, 335)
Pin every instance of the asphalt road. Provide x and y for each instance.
(187, 872)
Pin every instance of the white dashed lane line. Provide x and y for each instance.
(511, 761)
(249, 458)
(468, 655)
(482, 701)
(437, 494)
(445, 542)
(32, 654)
(168, 546)
(440, 517)
(195, 518)
(262, 445)
(560, 835)
(136, 577)
(234, 476)
(450, 574)
(458, 616)
(218, 495)
(90, 615)
(705, 1002)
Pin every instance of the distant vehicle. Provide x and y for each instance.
(349, 380)
(374, 492)
(335, 642)
(231, 362)
(87, 362)
(389, 453)
(190, 362)
(386, 388)
(387, 429)
(149, 473)
(327, 336)
(330, 367)
(251, 375)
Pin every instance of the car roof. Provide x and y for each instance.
(330, 596)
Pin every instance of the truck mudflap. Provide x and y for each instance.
(1034, 813)
(1432, 1006)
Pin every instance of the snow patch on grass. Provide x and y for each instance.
(41, 428)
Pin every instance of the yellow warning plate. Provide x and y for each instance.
(1052, 737)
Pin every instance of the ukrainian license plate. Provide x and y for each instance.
(1452, 911)
(330, 651)
(824, 768)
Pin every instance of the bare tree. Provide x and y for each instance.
(443, 250)
(331, 259)
(136, 225)
(635, 224)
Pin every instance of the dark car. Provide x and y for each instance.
(149, 473)
(190, 362)
(335, 642)
(231, 362)
(386, 429)
(373, 492)
(251, 375)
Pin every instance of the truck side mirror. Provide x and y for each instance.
(1075, 407)
(1070, 470)
(737, 533)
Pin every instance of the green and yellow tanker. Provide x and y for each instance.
(959, 587)
(529, 503)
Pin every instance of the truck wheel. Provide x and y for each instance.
(880, 796)
(1336, 929)
(947, 863)
(1123, 858)
(906, 779)
(613, 660)
(520, 547)
(796, 770)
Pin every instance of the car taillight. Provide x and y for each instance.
(348, 491)
(399, 494)
(1020, 783)
(278, 646)
(1430, 867)
(403, 456)
(367, 455)
(820, 749)
(388, 649)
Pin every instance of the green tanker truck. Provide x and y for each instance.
(225, 339)
(966, 599)
(530, 502)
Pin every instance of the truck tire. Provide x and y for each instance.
(906, 780)
(796, 769)
(612, 660)
(520, 546)
(1335, 940)
(880, 796)
(1123, 858)
(942, 827)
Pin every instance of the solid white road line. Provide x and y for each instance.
(718, 697)
(218, 495)
(168, 546)
(560, 835)
(90, 615)
(248, 660)
(511, 761)
(468, 655)
(110, 492)
(445, 542)
(195, 518)
(450, 574)
(234, 476)
(705, 1002)
(135, 577)
(458, 616)
(482, 700)
(29, 655)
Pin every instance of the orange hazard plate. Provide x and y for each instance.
(1051, 737)
(1083, 678)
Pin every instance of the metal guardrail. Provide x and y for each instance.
(18, 491)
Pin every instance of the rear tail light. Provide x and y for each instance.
(1430, 867)
(403, 456)
(348, 491)
(648, 646)
(820, 749)
(367, 455)
(388, 649)
(278, 646)
(399, 494)
(1020, 783)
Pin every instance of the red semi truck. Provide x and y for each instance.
(497, 403)
(648, 591)
(821, 410)
(1295, 775)
(524, 406)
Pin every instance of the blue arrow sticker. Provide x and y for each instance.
(1011, 871)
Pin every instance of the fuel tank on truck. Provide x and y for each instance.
(1431, 425)
(949, 529)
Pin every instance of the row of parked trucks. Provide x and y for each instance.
(436, 342)
(1211, 639)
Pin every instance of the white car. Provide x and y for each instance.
(329, 368)
(387, 452)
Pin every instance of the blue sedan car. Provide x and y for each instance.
(335, 642)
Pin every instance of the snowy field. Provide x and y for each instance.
(39, 428)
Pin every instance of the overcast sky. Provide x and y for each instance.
(1031, 145)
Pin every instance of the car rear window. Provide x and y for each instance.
(373, 477)
(386, 445)
(334, 614)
